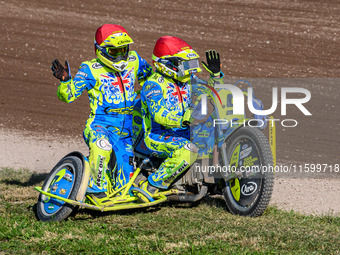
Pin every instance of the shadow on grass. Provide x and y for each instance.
(210, 201)
(216, 201)
(98, 214)
(34, 179)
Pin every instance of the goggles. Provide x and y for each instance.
(187, 67)
(114, 54)
(182, 67)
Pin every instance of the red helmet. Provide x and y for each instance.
(111, 45)
(175, 58)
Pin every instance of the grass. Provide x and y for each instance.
(171, 228)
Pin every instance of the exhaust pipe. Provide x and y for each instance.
(189, 198)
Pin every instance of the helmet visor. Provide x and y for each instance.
(187, 67)
(190, 64)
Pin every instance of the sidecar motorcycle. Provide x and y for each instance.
(228, 164)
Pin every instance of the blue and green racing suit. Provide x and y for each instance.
(108, 130)
(164, 102)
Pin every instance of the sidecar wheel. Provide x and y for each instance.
(249, 196)
(64, 180)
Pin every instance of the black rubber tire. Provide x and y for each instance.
(74, 165)
(264, 193)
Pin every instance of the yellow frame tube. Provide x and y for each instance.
(272, 138)
(119, 199)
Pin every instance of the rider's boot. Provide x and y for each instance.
(100, 176)
(100, 194)
(148, 190)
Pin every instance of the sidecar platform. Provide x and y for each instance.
(115, 204)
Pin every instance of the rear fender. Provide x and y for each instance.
(225, 136)
(86, 174)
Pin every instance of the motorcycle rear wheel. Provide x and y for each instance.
(64, 180)
(248, 148)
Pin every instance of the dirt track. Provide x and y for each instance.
(258, 39)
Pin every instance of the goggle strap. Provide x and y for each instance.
(161, 60)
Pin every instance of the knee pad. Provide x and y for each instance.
(188, 152)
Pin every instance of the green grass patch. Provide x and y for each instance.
(170, 228)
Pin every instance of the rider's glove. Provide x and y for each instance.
(60, 72)
(187, 117)
(214, 63)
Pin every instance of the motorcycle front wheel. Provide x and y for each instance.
(250, 156)
(64, 180)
